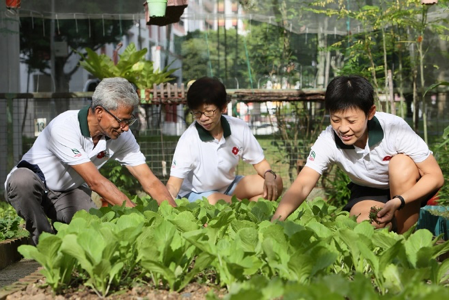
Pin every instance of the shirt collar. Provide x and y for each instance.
(375, 135)
(84, 126)
(82, 118)
(205, 135)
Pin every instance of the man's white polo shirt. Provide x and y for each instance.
(388, 135)
(208, 164)
(66, 142)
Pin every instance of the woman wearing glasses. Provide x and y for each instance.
(209, 150)
(56, 176)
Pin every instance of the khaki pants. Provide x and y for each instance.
(36, 204)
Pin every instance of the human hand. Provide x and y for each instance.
(386, 214)
(270, 189)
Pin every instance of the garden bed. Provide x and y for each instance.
(34, 290)
(8, 251)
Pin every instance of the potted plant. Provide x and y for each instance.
(132, 65)
(13, 4)
(172, 13)
(12, 235)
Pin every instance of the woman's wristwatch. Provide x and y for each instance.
(402, 201)
(270, 171)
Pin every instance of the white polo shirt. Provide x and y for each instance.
(66, 142)
(388, 135)
(208, 164)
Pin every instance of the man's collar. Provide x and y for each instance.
(205, 135)
(84, 126)
(375, 135)
(82, 118)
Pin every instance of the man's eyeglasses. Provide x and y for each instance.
(207, 113)
(122, 122)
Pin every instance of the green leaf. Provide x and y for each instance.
(421, 238)
(320, 230)
(71, 247)
(364, 228)
(443, 272)
(248, 238)
(185, 221)
(393, 281)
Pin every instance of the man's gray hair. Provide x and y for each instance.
(114, 92)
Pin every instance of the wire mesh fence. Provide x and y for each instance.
(285, 130)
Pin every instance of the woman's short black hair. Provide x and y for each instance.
(352, 91)
(207, 90)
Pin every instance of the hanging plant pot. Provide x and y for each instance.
(174, 10)
(429, 2)
(13, 4)
(156, 8)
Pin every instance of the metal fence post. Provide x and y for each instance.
(3, 143)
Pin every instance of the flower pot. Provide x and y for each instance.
(156, 8)
(13, 4)
(174, 10)
(429, 2)
(435, 224)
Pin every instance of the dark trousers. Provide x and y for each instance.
(36, 204)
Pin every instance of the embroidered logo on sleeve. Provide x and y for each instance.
(312, 155)
(76, 152)
(387, 158)
(173, 165)
(235, 150)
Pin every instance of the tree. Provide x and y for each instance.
(35, 44)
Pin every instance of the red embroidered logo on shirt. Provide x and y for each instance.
(235, 150)
(101, 154)
(387, 158)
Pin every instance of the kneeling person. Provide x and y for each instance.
(389, 165)
(208, 152)
(56, 176)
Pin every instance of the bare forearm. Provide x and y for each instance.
(289, 203)
(172, 190)
(424, 187)
(297, 193)
(109, 192)
(160, 193)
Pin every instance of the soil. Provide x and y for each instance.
(192, 292)
(38, 291)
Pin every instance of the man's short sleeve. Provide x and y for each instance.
(66, 144)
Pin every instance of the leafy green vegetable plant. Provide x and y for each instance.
(112, 247)
(11, 225)
(57, 266)
(132, 66)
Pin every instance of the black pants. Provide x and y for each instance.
(360, 193)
